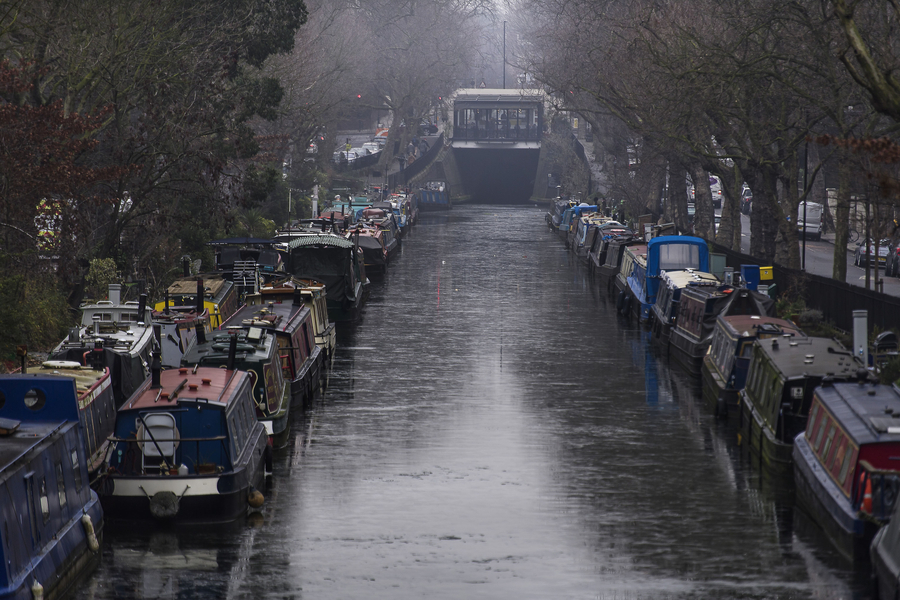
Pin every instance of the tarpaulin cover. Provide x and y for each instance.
(331, 265)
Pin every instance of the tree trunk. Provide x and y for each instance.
(704, 216)
(841, 220)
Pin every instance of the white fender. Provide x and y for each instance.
(37, 590)
(61, 364)
(89, 533)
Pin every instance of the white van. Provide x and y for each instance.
(815, 220)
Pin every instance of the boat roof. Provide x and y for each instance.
(752, 325)
(280, 316)
(60, 394)
(810, 356)
(869, 412)
(19, 437)
(210, 385)
(252, 347)
(688, 277)
(320, 239)
(213, 285)
(241, 241)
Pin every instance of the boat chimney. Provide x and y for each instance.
(157, 334)
(186, 266)
(142, 308)
(201, 333)
(298, 297)
(861, 336)
(97, 356)
(155, 368)
(115, 293)
(166, 302)
(200, 294)
(95, 319)
(232, 351)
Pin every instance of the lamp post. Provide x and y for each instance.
(805, 197)
(504, 55)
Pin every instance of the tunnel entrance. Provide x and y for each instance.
(498, 176)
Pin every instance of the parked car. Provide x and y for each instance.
(372, 147)
(815, 220)
(746, 201)
(865, 252)
(715, 187)
(428, 128)
(892, 261)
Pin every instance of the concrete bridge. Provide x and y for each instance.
(493, 152)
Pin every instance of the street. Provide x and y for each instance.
(819, 257)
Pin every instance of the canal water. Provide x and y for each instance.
(493, 429)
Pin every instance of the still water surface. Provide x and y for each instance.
(493, 429)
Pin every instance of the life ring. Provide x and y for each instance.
(61, 364)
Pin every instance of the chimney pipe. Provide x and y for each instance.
(200, 295)
(155, 368)
(861, 336)
(201, 333)
(186, 266)
(232, 351)
(166, 302)
(142, 308)
(115, 293)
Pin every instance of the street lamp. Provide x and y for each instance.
(504, 55)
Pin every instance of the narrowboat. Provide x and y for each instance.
(435, 198)
(51, 521)
(256, 352)
(237, 254)
(609, 270)
(312, 294)
(338, 263)
(569, 220)
(290, 322)
(79, 393)
(668, 297)
(176, 329)
(698, 309)
(884, 556)
(634, 260)
(220, 296)
(777, 395)
(665, 253)
(585, 233)
(724, 370)
(557, 208)
(603, 237)
(187, 448)
(122, 331)
(845, 462)
(375, 254)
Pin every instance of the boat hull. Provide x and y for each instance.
(761, 442)
(827, 506)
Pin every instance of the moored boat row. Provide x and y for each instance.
(805, 409)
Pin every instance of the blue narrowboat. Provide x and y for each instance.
(51, 522)
(80, 393)
(255, 351)
(664, 253)
(187, 447)
(845, 462)
(570, 218)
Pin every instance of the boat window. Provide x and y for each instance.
(2, 399)
(845, 467)
(821, 433)
(840, 445)
(811, 424)
(61, 486)
(29, 491)
(746, 349)
(76, 470)
(679, 256)
(45, 501)
(828, 441)
(35, 399)
(236, 436)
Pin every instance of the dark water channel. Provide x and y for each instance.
(493, 429)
